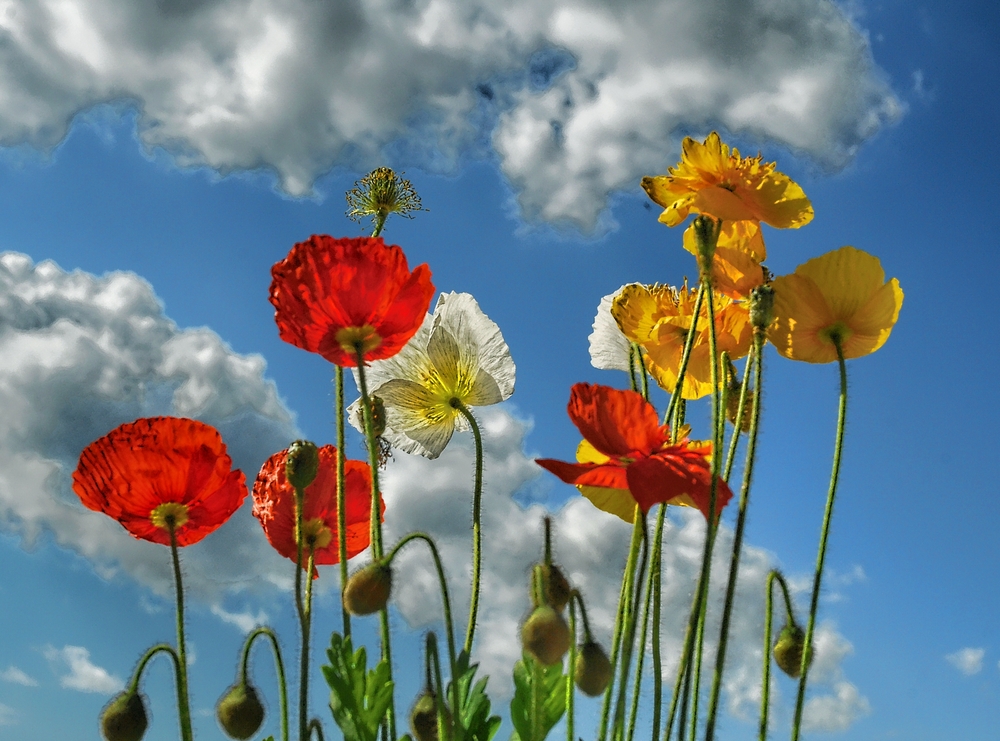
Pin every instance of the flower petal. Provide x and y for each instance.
(617, 423)
(609, 347)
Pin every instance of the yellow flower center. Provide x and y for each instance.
(316, 534)
(352, 338)
(169, 516)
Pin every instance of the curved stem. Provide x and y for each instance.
(341, 497)
(446, 602)
(183, 704)
(576, 597)
(734, 560)
(838, 448)
(765, 694)
(376, 517)
(133, 685)
(315, 725)
(628, 640)
(279, 667)
(620, 618)
(477, 516)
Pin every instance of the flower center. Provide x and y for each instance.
(316, 534)
(836, 334)
(169, 516)
(352, 338)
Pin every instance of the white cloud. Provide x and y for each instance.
(244, 621)
(16, 676)
(835, 712)
(590, 546)
(81, 354)
(969, 661)
(582, 97)
(8, 716)
(81, 674)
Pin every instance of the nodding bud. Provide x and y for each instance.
(592, 672)
(124, 718)
(378, 416)
(301, 464)
(545, 635)
(788, 650)
(240, 711)
(555, 587)
(424, 717)
(761, 307)
(368, 589)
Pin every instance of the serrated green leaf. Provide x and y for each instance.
(552, 693)
(359, 698)
(474, 705)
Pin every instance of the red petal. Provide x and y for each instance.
(609, 476)
(617, 423)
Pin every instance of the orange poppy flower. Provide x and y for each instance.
(274, 506)
(161, 472)
(332, 296)
(625, 449)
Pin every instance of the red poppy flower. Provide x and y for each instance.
(159, 472)
(626, 450)
(274, 506)
(332, 295)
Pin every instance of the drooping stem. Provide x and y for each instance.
(765, 694)
(734, 560)
(279, 667)
(477, 516)
(838, 448)
(376, 518)
(183, 704)
(621, 617)
(314, 725)
(341, 498)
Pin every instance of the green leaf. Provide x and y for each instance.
(474, 704)
(551, 688)
(359, 698)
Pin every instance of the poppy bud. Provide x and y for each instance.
(368, 589)
(592, 672)
(762, 307)
(788, 650)
(733, 406)
(378, 416)
(545, 635)
(556, 588)
(240, 712)
(302, 463)
(424, 717)
(706, 232)
(124, 718)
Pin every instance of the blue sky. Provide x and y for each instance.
(191, 144)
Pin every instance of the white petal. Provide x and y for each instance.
(479, 339)
(609, 348)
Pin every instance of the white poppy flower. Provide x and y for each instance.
(457, 355)
(609, 348)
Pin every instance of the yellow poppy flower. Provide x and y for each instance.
(659, 318)
(842, 293)
(736, 265)
(714, 180)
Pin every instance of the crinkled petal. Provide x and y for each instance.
(617, 423)
(479, 339)
(609, 347)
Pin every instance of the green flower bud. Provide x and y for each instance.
(424, 717)
(124, 718)
(302, 463)
(556, 588)
(592, 672)
(545, 635)
(240, 712)
(788, 650)
(368, 589)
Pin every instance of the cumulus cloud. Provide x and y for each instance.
(244, 621)
(591, 548)
(17, 676)
(81, 354)
(969, 661)
(576, 98)
(78, 672)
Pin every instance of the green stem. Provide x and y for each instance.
(536, 701)
(621, 616)
(651, 580)
(678, 394)
(734, 560)
(824, 535)
(633, 348)
(628, 641)
(741, 410)
(279, 667)
(341, 497)
(477, 516)
(644, 376)
(657, 587)
(379, 223)
(765, 694)
(432, 659)
(570, 687)
(376, 518)
(314, 725)
(133, 685)
(696, 673)
(183, 704)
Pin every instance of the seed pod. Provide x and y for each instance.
(788, 650)
(545, 635)
(368, 589)
(592, 672)
(301, 464)
(424, 717)
(124, 718)
(240, 711)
